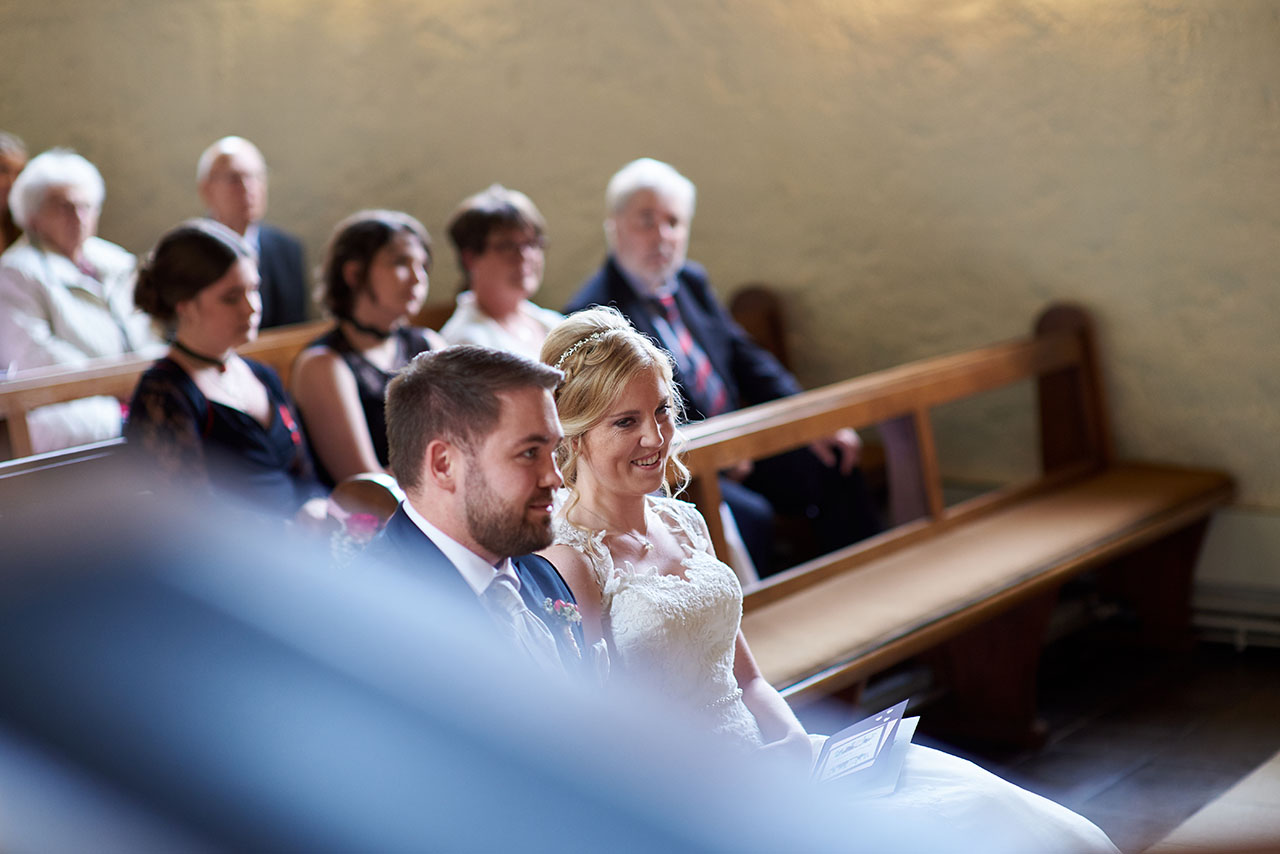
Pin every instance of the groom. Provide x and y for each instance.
(472, 433)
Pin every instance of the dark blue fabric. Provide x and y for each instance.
(371, 383)
(401, 543)
(284, 278)
(190, 439)
(751, 374)
(840, 508)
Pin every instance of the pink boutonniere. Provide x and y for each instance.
(562, 610)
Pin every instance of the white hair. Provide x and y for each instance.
(56, 167)
(648, 174)
(224, 147)
(10, 144)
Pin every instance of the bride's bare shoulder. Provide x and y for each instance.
(574, 566)
(564, 554)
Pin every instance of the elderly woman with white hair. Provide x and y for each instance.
(66, 296)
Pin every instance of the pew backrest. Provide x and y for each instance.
(1075, 436)
(277, 347)
(849, 614)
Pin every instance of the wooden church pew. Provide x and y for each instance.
(117, 378)
(973, 584)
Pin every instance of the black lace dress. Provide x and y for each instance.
(193, 441)
(371, 382)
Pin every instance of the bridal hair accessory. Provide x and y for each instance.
(594, 336)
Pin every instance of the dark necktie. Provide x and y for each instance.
(707, 389)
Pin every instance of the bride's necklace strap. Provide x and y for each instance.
(220, 364)
(604, 530)
(645, 543)
(373, 331)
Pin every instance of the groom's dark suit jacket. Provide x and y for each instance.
(402, 543)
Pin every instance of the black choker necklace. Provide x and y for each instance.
(220, 364)
(380, 334)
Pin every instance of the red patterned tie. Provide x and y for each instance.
(708, 389)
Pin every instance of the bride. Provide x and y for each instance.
(648, 583)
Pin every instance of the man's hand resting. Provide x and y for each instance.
(843, 449)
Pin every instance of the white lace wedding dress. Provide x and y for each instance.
(679, 632)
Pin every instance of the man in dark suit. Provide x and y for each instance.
(232, 179)
(472, 434)
(719, 368)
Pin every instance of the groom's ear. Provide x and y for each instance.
(443, 464)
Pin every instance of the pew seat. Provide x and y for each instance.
(969, 587)
(853, 624)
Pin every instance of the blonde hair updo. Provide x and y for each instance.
(599, 352)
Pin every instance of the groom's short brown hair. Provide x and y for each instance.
(452, 394)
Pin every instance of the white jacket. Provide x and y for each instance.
(469, 325)
(53, 314)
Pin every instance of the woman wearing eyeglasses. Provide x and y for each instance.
(500, 238)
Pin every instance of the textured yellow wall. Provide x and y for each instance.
(918, 177)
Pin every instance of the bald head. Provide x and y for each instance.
(232, 179)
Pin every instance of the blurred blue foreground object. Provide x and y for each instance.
(171, 680)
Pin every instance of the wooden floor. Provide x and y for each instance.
(1139, 741)
(1247, 816)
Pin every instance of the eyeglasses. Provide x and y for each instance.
(517, 248)
(238, 177)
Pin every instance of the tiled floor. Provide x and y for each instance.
(1139, 740)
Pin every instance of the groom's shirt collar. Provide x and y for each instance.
(475, 570)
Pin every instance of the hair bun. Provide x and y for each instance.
(146, 295)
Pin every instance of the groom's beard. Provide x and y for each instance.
(502, 525)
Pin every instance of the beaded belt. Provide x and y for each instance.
(725, 700)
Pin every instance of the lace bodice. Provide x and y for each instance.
(676, 632)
